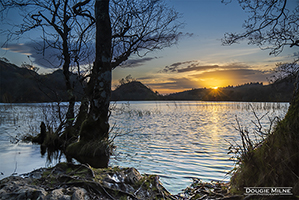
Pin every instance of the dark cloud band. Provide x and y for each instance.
(180, 67)
(47, 56)
(131, 63)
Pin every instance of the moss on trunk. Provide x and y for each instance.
(92, 148)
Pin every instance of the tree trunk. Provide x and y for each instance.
(94, 146)
(99, 90)
(67, 61)
(69, 87)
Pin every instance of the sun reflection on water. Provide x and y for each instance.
(175, 140)
(182, 140)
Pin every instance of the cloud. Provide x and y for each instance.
(176, 84)
(131, 63)
(235, 75)
(168, 69)
(221, 76)
(177, 64)
(48, 57)
(194, 67)
(146, 78)
(52, 57)
(19, 48)
(174, 67)
(235, 66)
(180, 67)
(295, 54)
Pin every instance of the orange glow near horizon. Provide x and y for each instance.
(214, 82)
(209, 82)
(170, 91)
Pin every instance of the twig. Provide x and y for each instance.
(135, 193)
(14, 172)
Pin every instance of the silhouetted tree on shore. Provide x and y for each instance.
(121, 28)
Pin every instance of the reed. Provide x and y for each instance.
(267, 158)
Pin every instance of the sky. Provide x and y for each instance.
(198, 60)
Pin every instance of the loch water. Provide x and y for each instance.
(177, 140)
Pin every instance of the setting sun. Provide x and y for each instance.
(215, 88)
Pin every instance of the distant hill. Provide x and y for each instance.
(280, 91)
(133, 91)
(18, 85)
(21, 85)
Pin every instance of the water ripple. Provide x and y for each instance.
(186, 139)
(175, 140)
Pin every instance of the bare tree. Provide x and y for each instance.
(271, 25)
(141, 26)
(122, 28)
(63, 25)
(285, 70)
(129, 27)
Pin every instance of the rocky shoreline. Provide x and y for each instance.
(80, 182)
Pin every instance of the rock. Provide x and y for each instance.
(132, 176)
(58, 194)
(80, 194)
(18, 188)
(80, 182)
